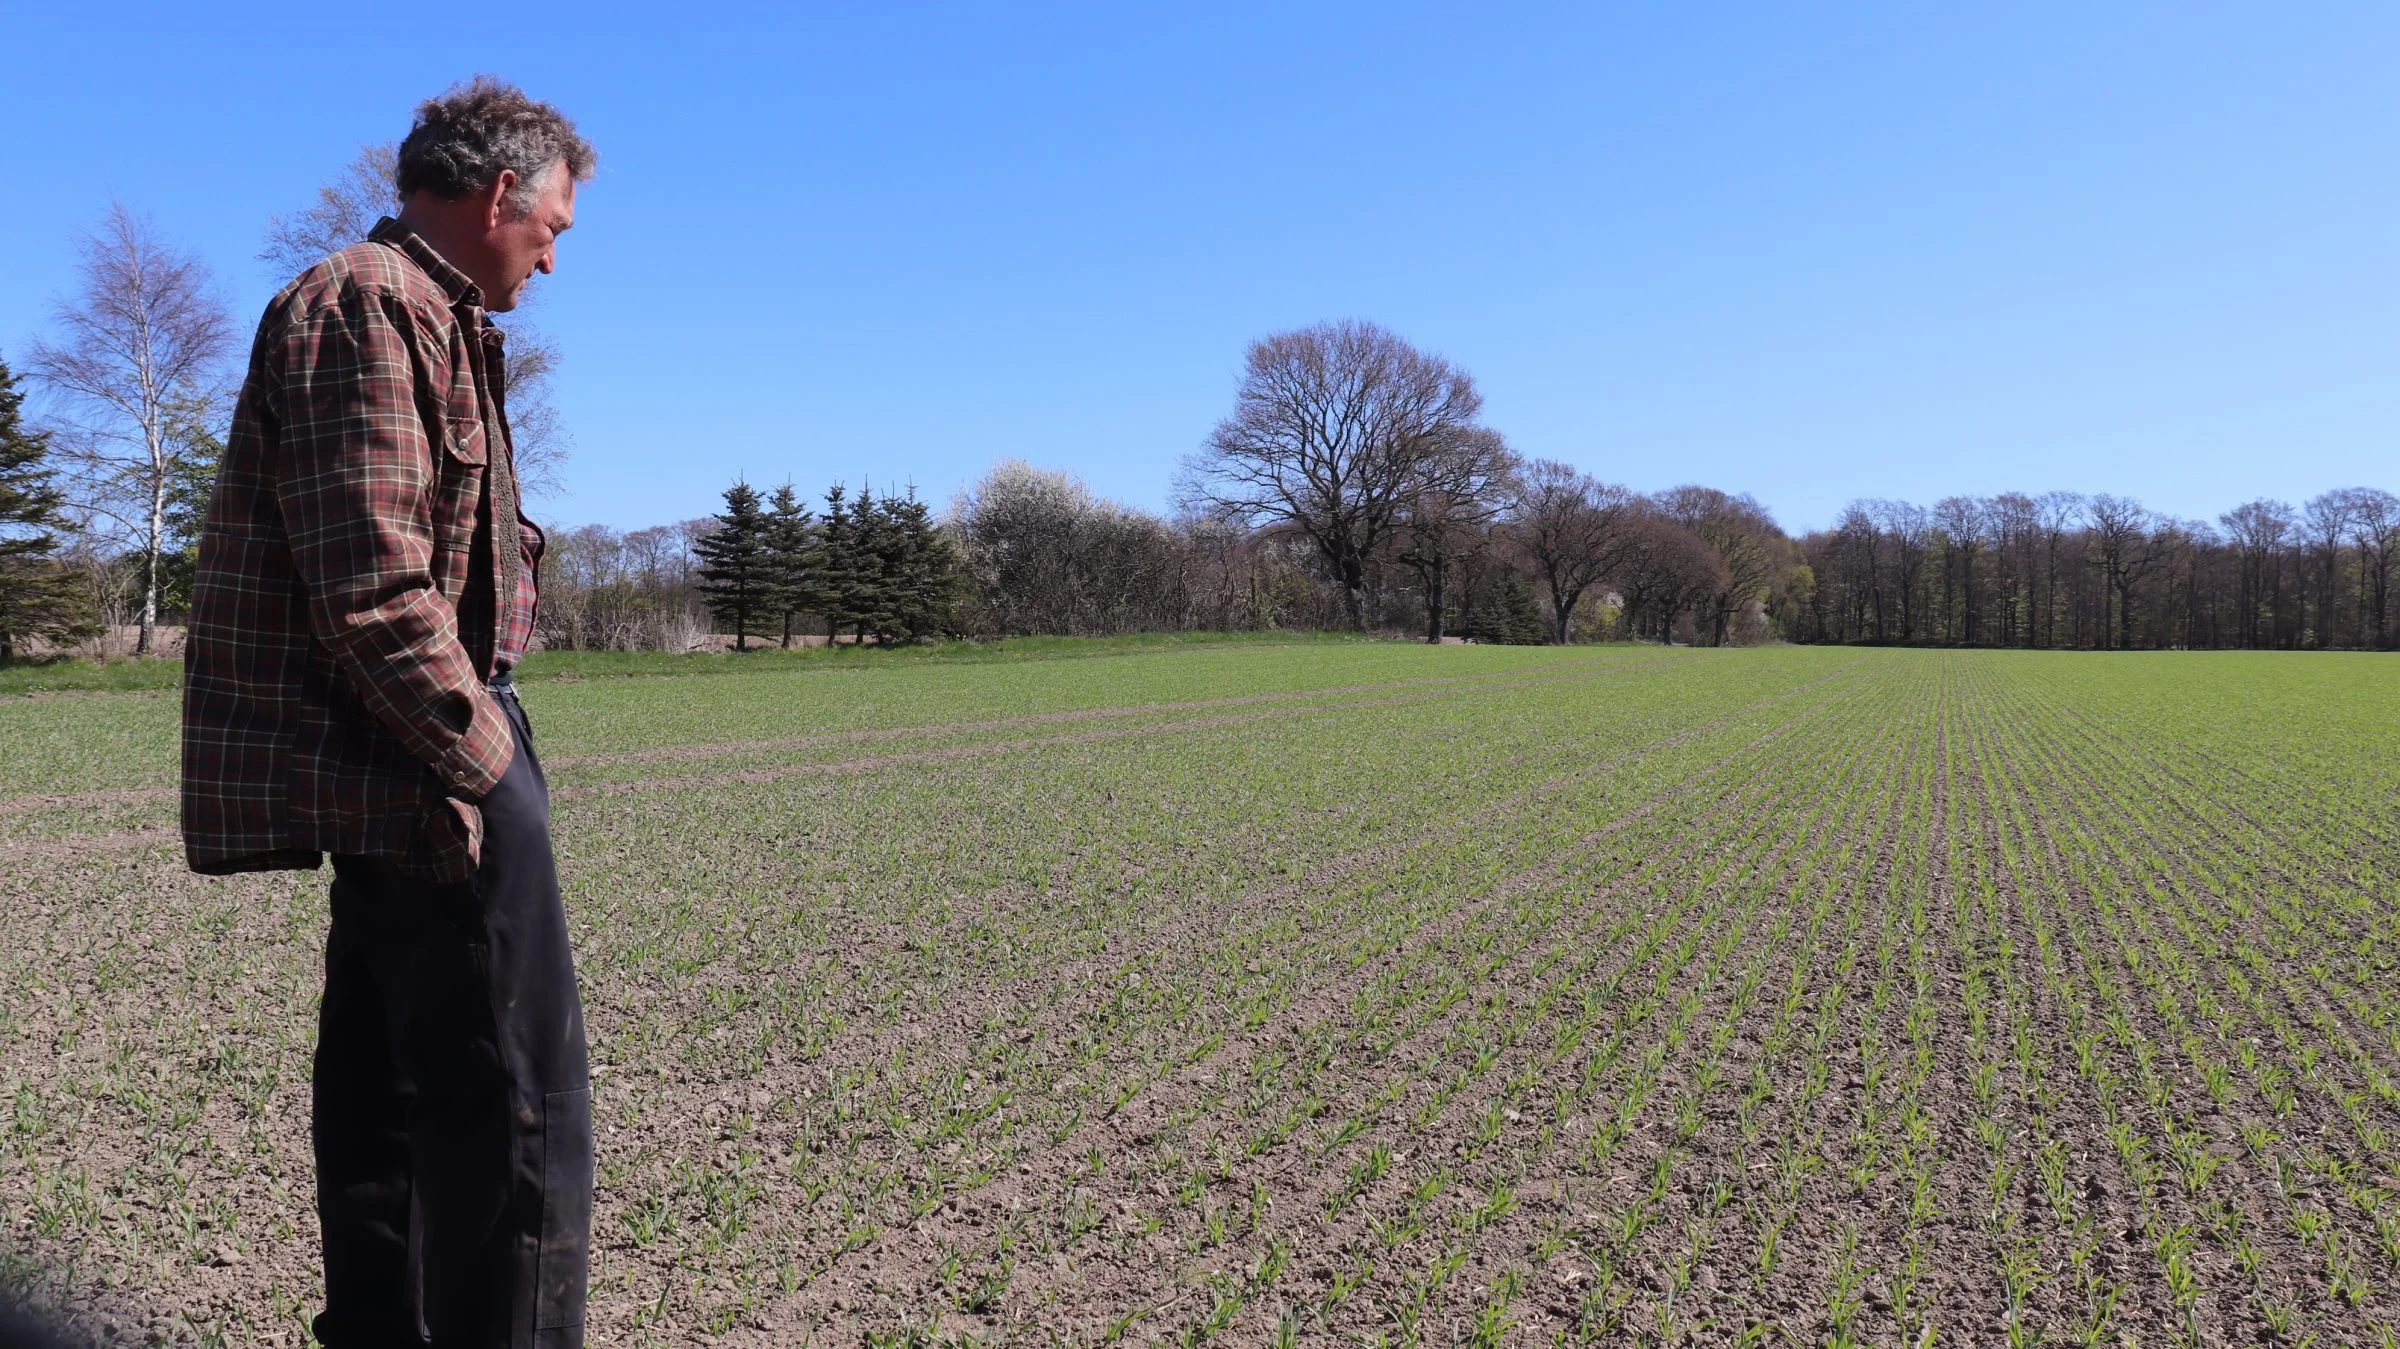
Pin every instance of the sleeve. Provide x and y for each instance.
(355, 480)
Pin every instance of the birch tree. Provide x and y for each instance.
(142, 346)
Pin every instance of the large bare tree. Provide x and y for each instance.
(1910, 529)
(1858, 547)
(1966, 526)
(1575, 529)
(2374, 518)
(346, 207)
(1665, 572)
(2056, 516)
(1443, 521)
(139, 367)
(2323, 523)
(2256, 531)
(1746, 541)
(2124, 534)
(1334, 429)
(2015, 527)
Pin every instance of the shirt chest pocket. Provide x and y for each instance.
(458, 489)
(463, 439)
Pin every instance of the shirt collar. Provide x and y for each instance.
(412, 245)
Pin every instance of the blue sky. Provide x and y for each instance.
(1810, 252)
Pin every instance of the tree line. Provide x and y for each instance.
(2063, 570)
(1352, 485)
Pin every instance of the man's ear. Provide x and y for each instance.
(495, 197)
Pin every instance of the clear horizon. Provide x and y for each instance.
(1813, 257)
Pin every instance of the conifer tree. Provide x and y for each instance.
(38, 597)
(795, 557)
(884, 569)
(1513, 617)
(922, 572)
(736, 573)
(870, 591)
(837, 561)
(896, 551)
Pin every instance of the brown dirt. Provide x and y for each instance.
(1100, 1290)
(1906, 923)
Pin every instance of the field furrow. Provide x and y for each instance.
(1340, 995)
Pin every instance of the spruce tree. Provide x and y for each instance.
(794, 557)
(922, 571)
(735, 569)
(38, 597)
(837, 561)
(869, 593)
(883, 568)
(1513, 617)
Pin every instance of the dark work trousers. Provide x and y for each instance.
(453, 1117)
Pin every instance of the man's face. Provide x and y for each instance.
(522, 244)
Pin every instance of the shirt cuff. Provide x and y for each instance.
(475, 765)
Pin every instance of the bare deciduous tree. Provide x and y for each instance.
(139, 365)
(2256, 530)
(2123, 534)
(1859, 541)
(1965, 526)
(1442, 522)
(1745, 538)
(346, 208)
(2015, 526)
(541, 439)
(1333, 429)
(1910, 529)
(1574, 528)
(2374, 517)
(2056, 515)
(1665, 572)
(2326, 518)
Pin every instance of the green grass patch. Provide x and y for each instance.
(65, 674)
(765, 659)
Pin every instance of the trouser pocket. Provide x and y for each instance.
(562, 1266)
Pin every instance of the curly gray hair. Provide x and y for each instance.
(462, 140)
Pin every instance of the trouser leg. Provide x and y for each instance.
(478, 985)
(539, 1034)
(359, 1123)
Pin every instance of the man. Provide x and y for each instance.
(365, 585)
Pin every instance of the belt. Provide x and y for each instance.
(502, 686)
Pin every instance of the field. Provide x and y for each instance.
(1347, 993)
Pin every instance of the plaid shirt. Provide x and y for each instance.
(347, 609)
